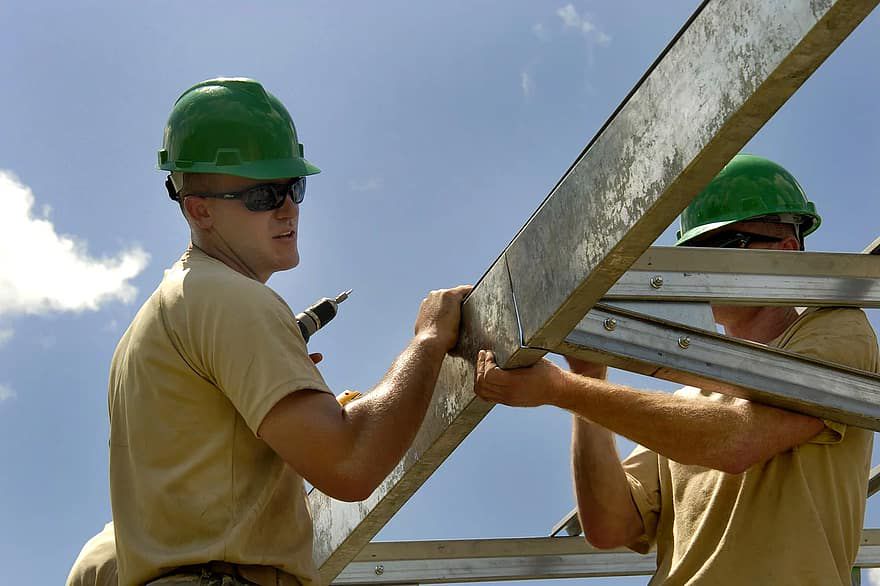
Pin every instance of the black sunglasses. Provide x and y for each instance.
(733, 240)
(259, 198)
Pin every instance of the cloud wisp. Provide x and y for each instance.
(370, 184)
(42, 271)
(6, 393)
(873, 576)
(527, 84)
(572, 19)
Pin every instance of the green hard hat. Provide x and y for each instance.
(232, 126)
(748, 187)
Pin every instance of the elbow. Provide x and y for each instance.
(610, 536)
(350, 494)
(347, 489)
(601, 540)
(348, 481)
(738, 457)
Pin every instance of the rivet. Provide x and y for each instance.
(656, 281)
(610, 324)
(684, 342)
(380, 569)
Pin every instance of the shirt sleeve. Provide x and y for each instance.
(252, 349)
(838, 335)
(643, 474)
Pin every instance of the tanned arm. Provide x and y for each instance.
(347, 452)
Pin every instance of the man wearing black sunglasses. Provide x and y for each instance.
(217, 411)
(728, 491)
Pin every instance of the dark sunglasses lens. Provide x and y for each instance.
(271, 196)
(298, 190)
(263, 198)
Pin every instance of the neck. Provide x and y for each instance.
(761, 324)
(219, 249)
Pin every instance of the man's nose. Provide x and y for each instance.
(288, 209)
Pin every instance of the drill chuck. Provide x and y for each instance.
(319, 314)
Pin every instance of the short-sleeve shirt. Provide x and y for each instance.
(794, 519)
(202, 363)
(96, 563)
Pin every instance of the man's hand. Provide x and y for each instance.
(586, 368)
(535, 385)
(440, 315)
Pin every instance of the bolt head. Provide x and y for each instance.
(380, 569)
(610, 324)
(684, 342)
(656, 281)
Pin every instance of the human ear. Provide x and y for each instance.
(199, 211)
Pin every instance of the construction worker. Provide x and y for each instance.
(96, 563)
(217, 412)
(729, 491)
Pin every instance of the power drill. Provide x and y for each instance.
(319, 314)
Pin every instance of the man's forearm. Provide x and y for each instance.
(386, 419)
(608, 515)
(725, 436)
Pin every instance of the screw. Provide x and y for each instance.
(380, 569)
(684, 342)
(610, 324)
(656, 281)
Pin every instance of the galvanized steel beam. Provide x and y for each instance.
(727, 365)
(753, 277)
(874, 481)
(440, 562)
(732, 66)
(724, 76)
(489, 320)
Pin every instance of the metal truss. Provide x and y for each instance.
(723, 76)
(443, 562)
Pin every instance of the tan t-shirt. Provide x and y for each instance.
(795, 519)
(205, 359)
(96, 563)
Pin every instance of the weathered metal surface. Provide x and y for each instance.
(725, 75)
(874, 481)
(721, 79)
(660, 259)
(727, 365)
(440, 562)
(489, 320)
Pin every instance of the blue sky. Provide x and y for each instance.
(439, 128)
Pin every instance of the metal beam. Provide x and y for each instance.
(735, 367)
(725, 74)
(766, 277)
(439, 562)
(722, 78)
(489, 320)
(874, 481)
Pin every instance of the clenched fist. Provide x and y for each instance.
(440, 315)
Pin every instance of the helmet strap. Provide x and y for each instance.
(172, 192)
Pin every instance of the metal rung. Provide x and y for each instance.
(764, 277)
(731, 366)
(439, 562)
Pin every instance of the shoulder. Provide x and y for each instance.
(96, 563)
(199, 280)
(842, 335)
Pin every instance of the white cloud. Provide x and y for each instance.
(541, 32)
(572, 19)
(6, 393)
(527, 84)
(371, 184)
(873, 576)
(43, 271)
(5, 336)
